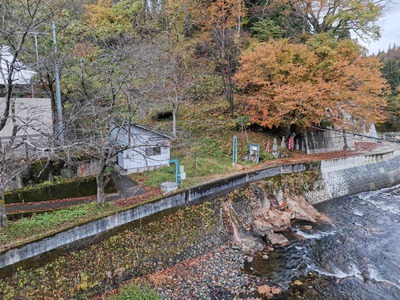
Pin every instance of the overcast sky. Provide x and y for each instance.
(391, 29)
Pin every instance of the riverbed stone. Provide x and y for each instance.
(277, 239)
(279, 220)
(268, 291)
(251, 246)
(300, 209)
(261, 228)
(306, 227)
(235, 247)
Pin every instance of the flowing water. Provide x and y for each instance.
(357, 257)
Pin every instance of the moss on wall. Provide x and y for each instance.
(52, 191)
(140, 248)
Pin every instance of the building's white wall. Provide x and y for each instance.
(136, 159)
(22, 75)
(35, 120)
(34, 116)
(120, 160)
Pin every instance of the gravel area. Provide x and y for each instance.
(217, 275)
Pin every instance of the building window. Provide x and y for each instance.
(153, 151)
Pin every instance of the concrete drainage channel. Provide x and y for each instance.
(387, 163)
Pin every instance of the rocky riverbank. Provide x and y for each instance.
(258, 218)
(219, 274)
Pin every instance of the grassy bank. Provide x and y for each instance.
(140, 248)
(40, 225)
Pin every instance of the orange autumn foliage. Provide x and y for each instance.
(225, 14)
(306, 84)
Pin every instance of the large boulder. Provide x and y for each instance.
(261, 228)
(277, 239)
(251, 246)
(266, 202)
(300, 209)
(280, 220)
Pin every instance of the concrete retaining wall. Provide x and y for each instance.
(339, 177)
(186, 197)
(327, 141)
(357, 175)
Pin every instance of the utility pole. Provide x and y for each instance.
(58, 90)
(35, 35)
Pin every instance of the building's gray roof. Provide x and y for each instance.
(22, 74)
(153, 131)
(123, 122)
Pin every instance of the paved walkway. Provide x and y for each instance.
(126, 186)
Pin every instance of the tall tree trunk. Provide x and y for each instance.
(100, 180)
(174, 113)
(228, 91)
(3, 217)
(100, 188)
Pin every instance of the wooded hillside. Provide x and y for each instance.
(279, 63)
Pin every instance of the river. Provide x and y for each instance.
(356, 257)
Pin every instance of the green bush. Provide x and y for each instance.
(38, 172)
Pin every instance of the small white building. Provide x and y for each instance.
(22, 76)
(33, 117)
(147, 149)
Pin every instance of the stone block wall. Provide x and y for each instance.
(376, 172)
(352, 175)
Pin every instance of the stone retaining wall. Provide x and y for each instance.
(352, 175)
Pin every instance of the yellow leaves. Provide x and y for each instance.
(83, 284)
(108, 19)
(98, 14)
(297, 282)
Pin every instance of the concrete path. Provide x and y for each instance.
(126, 186)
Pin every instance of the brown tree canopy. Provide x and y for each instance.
(323, 80)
